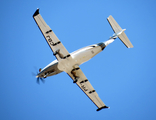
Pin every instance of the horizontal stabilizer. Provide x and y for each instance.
(123, 37)
(116, 28)
(119, 32)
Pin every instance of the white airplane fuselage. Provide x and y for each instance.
(70, 62)
(79, 57)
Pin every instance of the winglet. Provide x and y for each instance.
(102, 108)
(36, 12)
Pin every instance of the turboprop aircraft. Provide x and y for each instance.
(70, 62)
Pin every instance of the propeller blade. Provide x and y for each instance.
(38, 80)
(42, 80)
(33, 74)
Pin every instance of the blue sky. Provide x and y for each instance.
(125, 79)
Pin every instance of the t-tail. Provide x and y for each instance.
(119, 32)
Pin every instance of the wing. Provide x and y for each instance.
(55, 44)
(80, 79)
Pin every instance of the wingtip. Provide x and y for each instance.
(109, 16)
(102, 108)
(36, 12)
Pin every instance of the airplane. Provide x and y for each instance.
(70, 62)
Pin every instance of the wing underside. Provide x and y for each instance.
(54, 43)
(62, 56)
(86, 87)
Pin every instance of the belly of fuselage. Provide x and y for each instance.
(80, 56)
(83, 55)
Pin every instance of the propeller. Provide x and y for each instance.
(38, 78)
